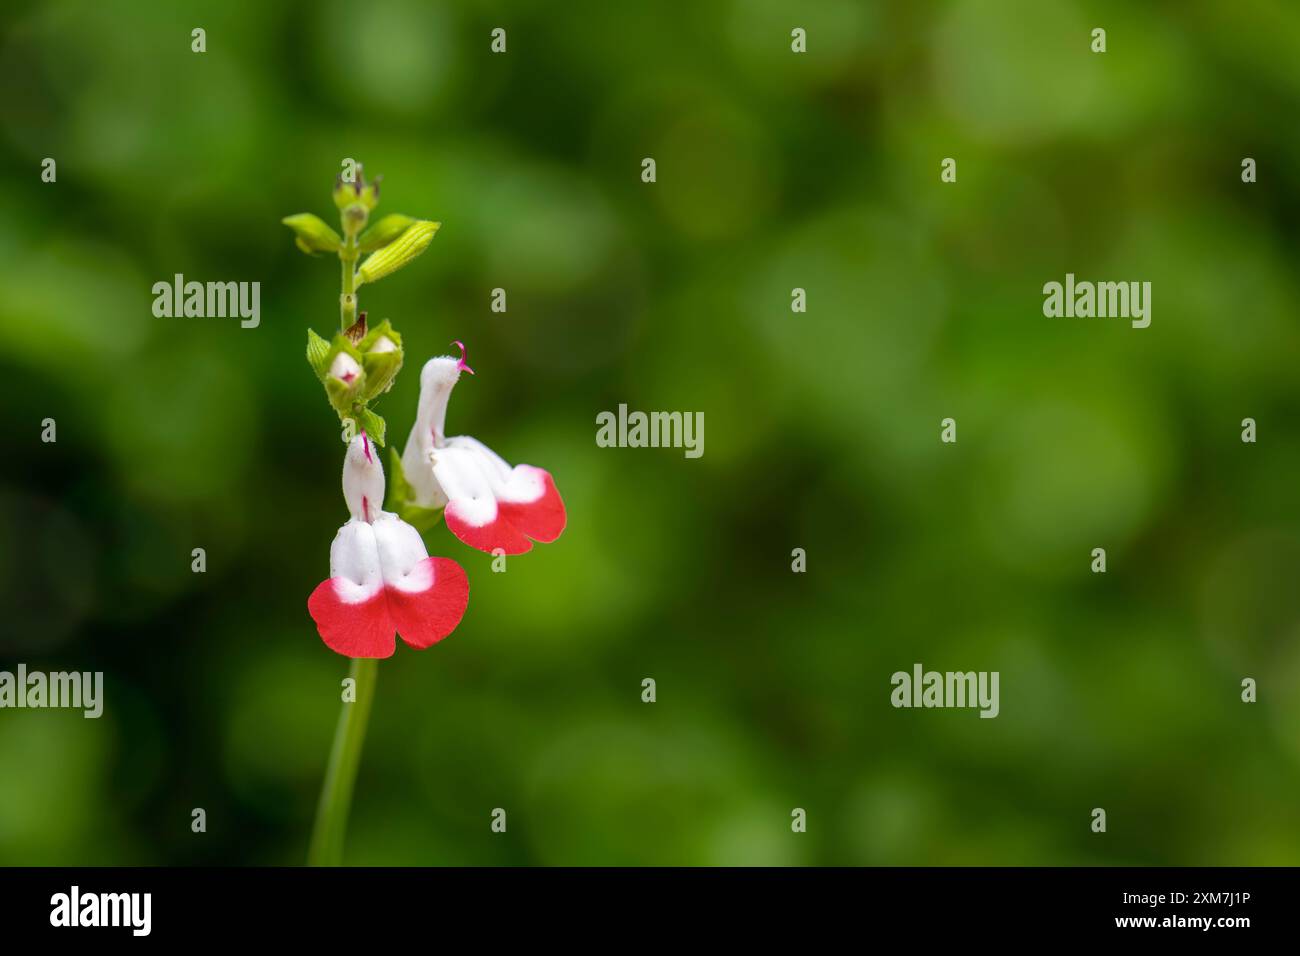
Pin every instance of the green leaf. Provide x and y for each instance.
(373, 425)
(399, 489)
(397, 253)
(384, 231)
(313, 234)
(400, 497)
(318, 350)
(421, 519)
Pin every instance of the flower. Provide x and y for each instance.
(345, 368)
(489, 505)
(382, 579)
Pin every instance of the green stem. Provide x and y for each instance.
(345, 757)
(348, 255)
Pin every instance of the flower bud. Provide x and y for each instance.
(384, 231)
(354, 218)
(345, 376)
(345, 368)
(381, 358)
(312, 234)
(370, 193)
(346, 193)
(363, 479)
(356, 199)
(398, 253)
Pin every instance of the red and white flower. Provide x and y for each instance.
(382, 580)
(489, 505)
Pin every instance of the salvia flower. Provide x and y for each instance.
(488, 504)
(382, 580)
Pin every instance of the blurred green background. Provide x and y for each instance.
(775, 170)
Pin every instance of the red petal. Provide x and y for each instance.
(488, 537)
(364, 629)
(423, 618)
(541, 519)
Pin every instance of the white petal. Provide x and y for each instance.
(437, 379)
(401, 554)
(476, 478)
(363, 479)
(417, 466)
(354, 563)
(345, 368)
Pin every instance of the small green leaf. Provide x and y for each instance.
(313, 234)
(397, 253)
(400, 497)
(421, 519)
(318, 350)
(384, 231)
(373, 425)
(399, 490)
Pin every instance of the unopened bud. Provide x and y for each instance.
(363, 479)
(398, 253)
(312, 234)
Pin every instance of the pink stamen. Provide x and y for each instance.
(365, 444)
(365, 508)
(461, 366)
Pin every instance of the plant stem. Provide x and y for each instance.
(345, 756)
(348, 255)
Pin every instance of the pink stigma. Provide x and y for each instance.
(461, 366)
(365, 445)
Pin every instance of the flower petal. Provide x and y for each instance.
(492, 506)
(350, 609)
(353, 629)
(383, 581)
(430, 602)
(542, 519)
(427, 596)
